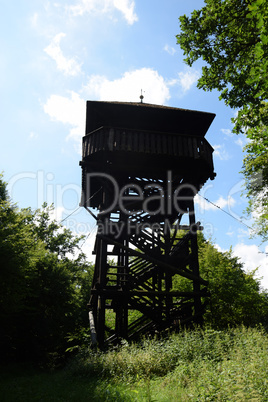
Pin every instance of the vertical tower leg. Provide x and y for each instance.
(121, 328)
(194, 264)
(100, 300)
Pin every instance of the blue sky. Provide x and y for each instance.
(57, 55)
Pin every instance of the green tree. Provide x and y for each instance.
(56, 238)
(231, 37)
(255, 169)
(43, 291)
(235, 296)
(16, 248)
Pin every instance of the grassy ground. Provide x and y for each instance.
(192, 366)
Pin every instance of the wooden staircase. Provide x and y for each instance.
(141, 279)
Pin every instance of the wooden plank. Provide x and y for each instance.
(133, 141)
(171, 293)
(94, 143)
(175, 145)
(195, 152)
(105, 138)
(208, 153)
(111, 140)
(153, 143)
(92, 329)
(84, 151)
(190, 147)
(170, 145)
(141, 142)
(130, 141)
(185, 146)
(159, 148)
(123, 141)
(90, 144)
(148, 147)
(99, 138)
(180, 146)
(164, 144)
(117, 140)
(163, 264)
(139, 266)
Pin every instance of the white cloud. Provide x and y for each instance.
(242, 141)
(220, 249)
(126, 7)
(169, 49)
(252, 258)
(185, 80)
(188, 78)
(219, 203)
(243, 233)
(34, 20)
(222, 202)
(71, 109)
(128, 87)
(89, 243)
(32, 136)
(227, 132)
(68, 66)
(68, 110)
(220, 152)
(57, 213)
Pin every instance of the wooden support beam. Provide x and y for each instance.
(155, 261)
(194, 264)
(92, 329)
(120, 292)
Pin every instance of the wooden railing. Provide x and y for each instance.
(125, 140)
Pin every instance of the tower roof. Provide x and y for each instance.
(144, 116)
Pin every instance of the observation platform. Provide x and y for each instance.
(142, 140)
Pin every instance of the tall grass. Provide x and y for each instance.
(200, 365)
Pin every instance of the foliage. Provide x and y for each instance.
(56, 238)
(198, 365)
(189, 366)
(235, 296)
(45, 286)
(42, 290)
(255, 169)
(231, 36)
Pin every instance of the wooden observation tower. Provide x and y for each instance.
(142, 165)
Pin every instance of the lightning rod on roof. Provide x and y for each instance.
(141, 97)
